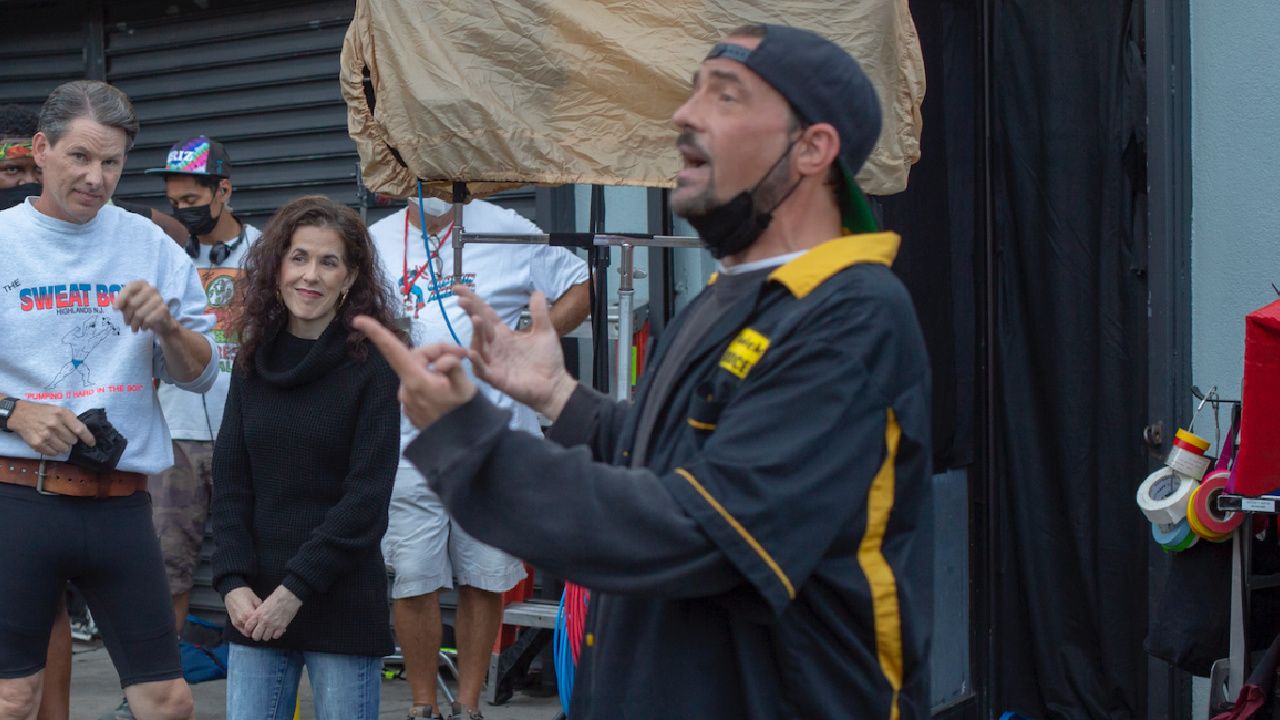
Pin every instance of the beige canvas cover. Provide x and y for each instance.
(508, 92)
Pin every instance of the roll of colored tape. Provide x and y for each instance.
(1194, 522)
(1186, 543)
(1174, 538)
(1193, 440)
(1178, 442)
(1206, 506)
(1162, 497)
(1188, 463)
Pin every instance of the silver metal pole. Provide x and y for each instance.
(671, 241)
(668, 241)
(626, 313)
(458, 230)
(1238, 649)
(503, 239)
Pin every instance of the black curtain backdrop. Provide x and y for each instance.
(936, 216)
(1068, 117)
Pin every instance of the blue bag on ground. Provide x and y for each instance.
(203, 651)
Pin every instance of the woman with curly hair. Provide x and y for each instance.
(303, 470)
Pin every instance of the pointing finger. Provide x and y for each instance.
(396, 352)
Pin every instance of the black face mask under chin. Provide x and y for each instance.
(18, 193)
(197, 220)
(730, 228)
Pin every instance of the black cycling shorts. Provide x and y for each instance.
(108, 548)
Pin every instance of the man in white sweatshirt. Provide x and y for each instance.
(95, 302)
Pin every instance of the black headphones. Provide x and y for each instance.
(220, 251)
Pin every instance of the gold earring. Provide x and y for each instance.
(342, 298)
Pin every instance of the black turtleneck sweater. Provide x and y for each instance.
(302, 474)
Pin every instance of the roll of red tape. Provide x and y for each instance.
(1193, 520)
(1205, 504)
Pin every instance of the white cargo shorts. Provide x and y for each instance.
(427, 550)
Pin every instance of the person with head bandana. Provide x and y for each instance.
(755, 529)
(20, 176)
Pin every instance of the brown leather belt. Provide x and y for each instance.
(50, 477)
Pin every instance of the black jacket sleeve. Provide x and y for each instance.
(356, 524)
(234, 559)
(593, 419)
(607, 528)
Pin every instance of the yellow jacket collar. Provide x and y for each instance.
(804, 274)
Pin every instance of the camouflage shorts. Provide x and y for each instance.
(180, 499)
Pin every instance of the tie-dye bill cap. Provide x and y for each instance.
(196, 156)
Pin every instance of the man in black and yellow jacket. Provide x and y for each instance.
(756, 527)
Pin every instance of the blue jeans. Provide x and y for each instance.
(262, 684)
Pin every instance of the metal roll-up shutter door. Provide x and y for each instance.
(260, 80)
(34, 63)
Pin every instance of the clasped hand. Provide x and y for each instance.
(262, 620)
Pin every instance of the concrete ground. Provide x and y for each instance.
(95, 688)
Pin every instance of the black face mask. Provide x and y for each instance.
(197, 220)
(15, 195)
(730, 228)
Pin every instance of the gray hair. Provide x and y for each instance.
(91, 99)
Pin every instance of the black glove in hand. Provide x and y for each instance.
(102, 457)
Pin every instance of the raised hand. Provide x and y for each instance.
(144, 309)
(432, 379)
(528, 365)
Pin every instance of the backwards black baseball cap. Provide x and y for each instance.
(196, 156)
(824, 84)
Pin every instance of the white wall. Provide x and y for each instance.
(1235, 144)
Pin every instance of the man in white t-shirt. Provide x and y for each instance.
(94, 304)
(424, 548)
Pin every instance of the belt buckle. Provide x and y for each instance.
(40, 476)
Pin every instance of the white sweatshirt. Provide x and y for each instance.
(62, 343)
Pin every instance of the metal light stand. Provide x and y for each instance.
(626, 310)
(601, 242)
(1243, 580)
(459, 198)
